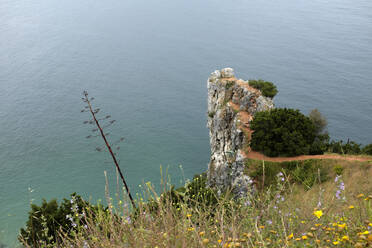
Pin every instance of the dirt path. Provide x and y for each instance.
(259, 156)
(245, 119)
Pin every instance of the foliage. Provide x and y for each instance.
(194, 192)
(268, 89)
(319, 121)
(306, 172)
(47, 220)
(288, 217)
(338, 169)
(282, 132)
(350, 147)
(280, 216)
(367, 149)
(211, 114)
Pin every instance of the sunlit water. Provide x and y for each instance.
(146, 62)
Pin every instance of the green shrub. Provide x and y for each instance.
(211, 114)
(305, 172)
(282, 132)
(338, 169)
(367, 149)
(47, 220)
(350, 147)
(268, 89)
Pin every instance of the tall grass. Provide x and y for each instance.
(281, 215)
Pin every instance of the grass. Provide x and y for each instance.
(282, 213)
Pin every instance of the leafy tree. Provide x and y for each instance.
(268, 89)
(282, 132)
(319, 121)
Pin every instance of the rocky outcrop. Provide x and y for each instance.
(231, 106)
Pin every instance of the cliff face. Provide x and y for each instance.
(231, 106)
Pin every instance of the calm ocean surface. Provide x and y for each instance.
(146, 62)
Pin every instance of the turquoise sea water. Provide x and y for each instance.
(146, 62)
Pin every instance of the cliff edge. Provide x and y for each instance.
(232, 104)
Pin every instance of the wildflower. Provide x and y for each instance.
(304, 237)
(336, 179)
(201, 233)
(351, 207)
(290, 236)
(364, 233)
(261, 227)
(318, 225)
(269, 222)
(205, 241)
(341, 226)
(189, 215)
(335, 242)
(219, 241)
(318, 213)
(345, 238)
(297, 239)
(190, 229)
(360, 195)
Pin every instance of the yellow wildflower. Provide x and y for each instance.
(290, 236)
(189, 215)
(360, 195)
(345, 238)
(304, 237)
(341, 226)
(261, 227)
(351, 207)
(219, 241)
(364, 233)
(335, 242)
(201, 233)
(205, 241)
(318, 225)
(318, 213)
(297, 239)
(190, 229)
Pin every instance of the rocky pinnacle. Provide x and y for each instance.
(231, 105)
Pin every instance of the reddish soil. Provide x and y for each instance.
(245, 118)
(259, 156)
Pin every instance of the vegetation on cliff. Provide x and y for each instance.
(267, 89)
(282, 132)
(282, 213)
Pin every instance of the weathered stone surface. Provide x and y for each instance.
(226, 167)
(227, 73)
